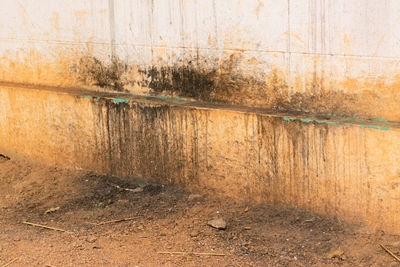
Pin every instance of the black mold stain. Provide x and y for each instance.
(184, 80)
(92, 71)
(152, 143)
(324, 102)
(222, 82)
(225, 82)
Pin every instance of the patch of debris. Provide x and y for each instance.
(4, 158)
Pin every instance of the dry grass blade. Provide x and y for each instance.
(391, 253)
(191, 253)
(9, 263)
(116, 221)
(46, 227)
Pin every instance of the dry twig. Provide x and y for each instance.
(115, 221)
(391, 253)
(46, 227)
(191, 253)
(136, 190)
(9, 263)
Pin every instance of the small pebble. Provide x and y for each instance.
(91, 239)
(217, 223)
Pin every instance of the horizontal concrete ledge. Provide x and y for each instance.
(335, 166)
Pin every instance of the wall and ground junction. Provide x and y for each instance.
(290, 102)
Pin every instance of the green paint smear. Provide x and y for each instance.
(342, 123)
(117, 100)
(288, 119)
(85, 96)
(374, 127)
(380, 119)
(168, 97)
(327, 122)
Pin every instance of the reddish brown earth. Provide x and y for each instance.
(165, 219)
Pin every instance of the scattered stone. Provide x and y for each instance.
(217, 223)
(91, 239)
(335, 254)
(51, 210)
(194, 197)
(194, 234)
(4, 158)
(247, 228)
(246, 209)
(244, 250)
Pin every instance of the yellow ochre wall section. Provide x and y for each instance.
(344, 170)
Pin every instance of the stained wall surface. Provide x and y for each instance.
(333, 63)
(318, 56)
(342, 168)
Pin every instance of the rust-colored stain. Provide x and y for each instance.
(260, 6)
(55, 20)
(26, 18)
(347, 43)
(298, 38)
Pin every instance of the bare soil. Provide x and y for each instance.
(163, 218)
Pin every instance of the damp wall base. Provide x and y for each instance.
(346, 170)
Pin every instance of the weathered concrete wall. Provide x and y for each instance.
(329, 58)
(317, 56)
(344, 167)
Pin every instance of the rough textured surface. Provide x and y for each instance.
(164, 219)
(326, 165)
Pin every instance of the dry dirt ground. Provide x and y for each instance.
(162, 219)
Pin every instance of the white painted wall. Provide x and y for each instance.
(335, 39)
